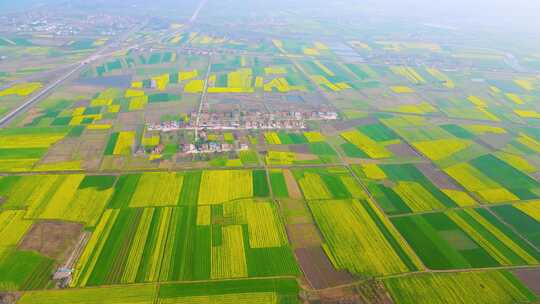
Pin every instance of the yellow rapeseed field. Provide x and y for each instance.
(162, 81)
(137, 248)
(366, 144)
(99, 127)
(497, 195)
(124, 143)
(13, 227)
(515, 98)
(531, 208)
(527, 113)
(273, 70)
(280, 158)
(408, 72)
(449, 83)
(420, 108)
(470, 178)
(265, 229)
(359, 253)
(314, 187)
(417, 197)
(21, 89)
(194, 86)
(229, 259)
(186, 75)
(461, 198)
(272, 138)
(71, 165)
(218, 186)
(137, 84)
(524, 139)
(30, 140)
(133, 93)
(203, 215)
(372, 171)
(517, 161)
(402, 89)
(157, 189)
(281, 85)
(138, 103)
(88, 259)
(526, 84)
(439, 149)
(314, 136)
(477, 101)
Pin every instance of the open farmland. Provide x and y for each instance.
(435, 288)
(412, 191)
(339, 219)
(185, 243)
(469, 238)
(239, 291)
(253, 152)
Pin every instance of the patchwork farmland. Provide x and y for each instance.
(218, 152)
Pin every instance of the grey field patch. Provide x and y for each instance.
(301, 148)
(349, 124)
(531, 278)
(496, 141)
(402, 150)
(458, 239)
(437, 177)
(319, 270)
(120, 81)
(51, 238)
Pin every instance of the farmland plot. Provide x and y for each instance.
(494, 180)
(13, 227)
(231, 291)
(157, 189)
(21, 148)
(404, 189)
(77, 201)
(357, 236)
(20, 270)
(467, 287)
(221, 186)
(523, 218)
(236, 239)
(469, 238)
(140, 294)
(70, 197)
(24, 270)
(328, 183)
(437, 143)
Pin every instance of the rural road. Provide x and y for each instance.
(77, 67)
(197, 11)
(6, 119)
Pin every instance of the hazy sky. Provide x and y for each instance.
(522, 12)
(481, 9)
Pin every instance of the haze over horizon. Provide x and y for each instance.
(269, 152)
(480, 11)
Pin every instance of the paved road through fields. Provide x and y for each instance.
(197, 11)
(4, 121)
(76, 68)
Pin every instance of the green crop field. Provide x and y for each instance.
(460, 287)
(469, 238)
(412, 190)
(339, 220)
(241, 238)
